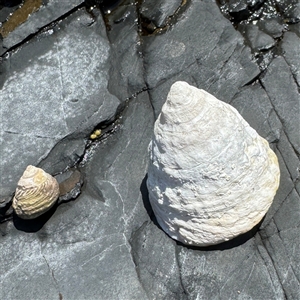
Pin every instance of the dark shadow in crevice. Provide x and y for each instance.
(105, 5)
(10, 3)
(233, 243)
(5, 208)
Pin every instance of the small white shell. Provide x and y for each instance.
(36, 193)
(211, 177)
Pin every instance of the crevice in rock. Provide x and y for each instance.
(134, 254)
(276, 137)
(196, 61)
(42, 29)
(253, 80)
(149, 27)
(106, 6)
(30, 135)
(278, 116)
(295, 274)
(108, 128)
(53, 277)
(140, 50)
(224, 63)
(275, 212)
(285, 163)
(293, 74)
(297, 192)
(267, 263)
(276, 233)
(246, 15)
(277, 229)
(290, 265)
(182, 286)
(139, 241)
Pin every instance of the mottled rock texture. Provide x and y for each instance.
(76, 76)
(38, 114)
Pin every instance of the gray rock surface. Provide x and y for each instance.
(106, 243)
(290, 10)
(221, 67)
(272, 26)
(159, 11)
(285, 88)
(291, 53)
(126, 64)
(59, 96)
(47, 13)
(254, 105)
(257, 39)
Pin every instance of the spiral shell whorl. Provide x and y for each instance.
(36, 193)
(211, 177)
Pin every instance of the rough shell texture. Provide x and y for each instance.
(37, 191)
(211, 177)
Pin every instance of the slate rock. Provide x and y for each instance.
(283, 92)
(286, 186)
(126, 65)
(280, 246)
(159, 11)
(295, 28)
(149, 243)
(46, 14)
(272, 26)
(215, 52)
(291, 52)
(257, 39)
(249, 276)
(50, 90)
(85, 243)
(238, 10)
(105, 244)
(290, 156)
(254, 105)
(291, 11)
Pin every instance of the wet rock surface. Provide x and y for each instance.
(82, 74)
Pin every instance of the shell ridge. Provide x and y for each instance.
(211, 176)
(37, 191)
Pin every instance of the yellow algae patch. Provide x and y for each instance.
(95, 134)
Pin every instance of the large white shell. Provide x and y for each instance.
(211, 177)
(36, 193)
